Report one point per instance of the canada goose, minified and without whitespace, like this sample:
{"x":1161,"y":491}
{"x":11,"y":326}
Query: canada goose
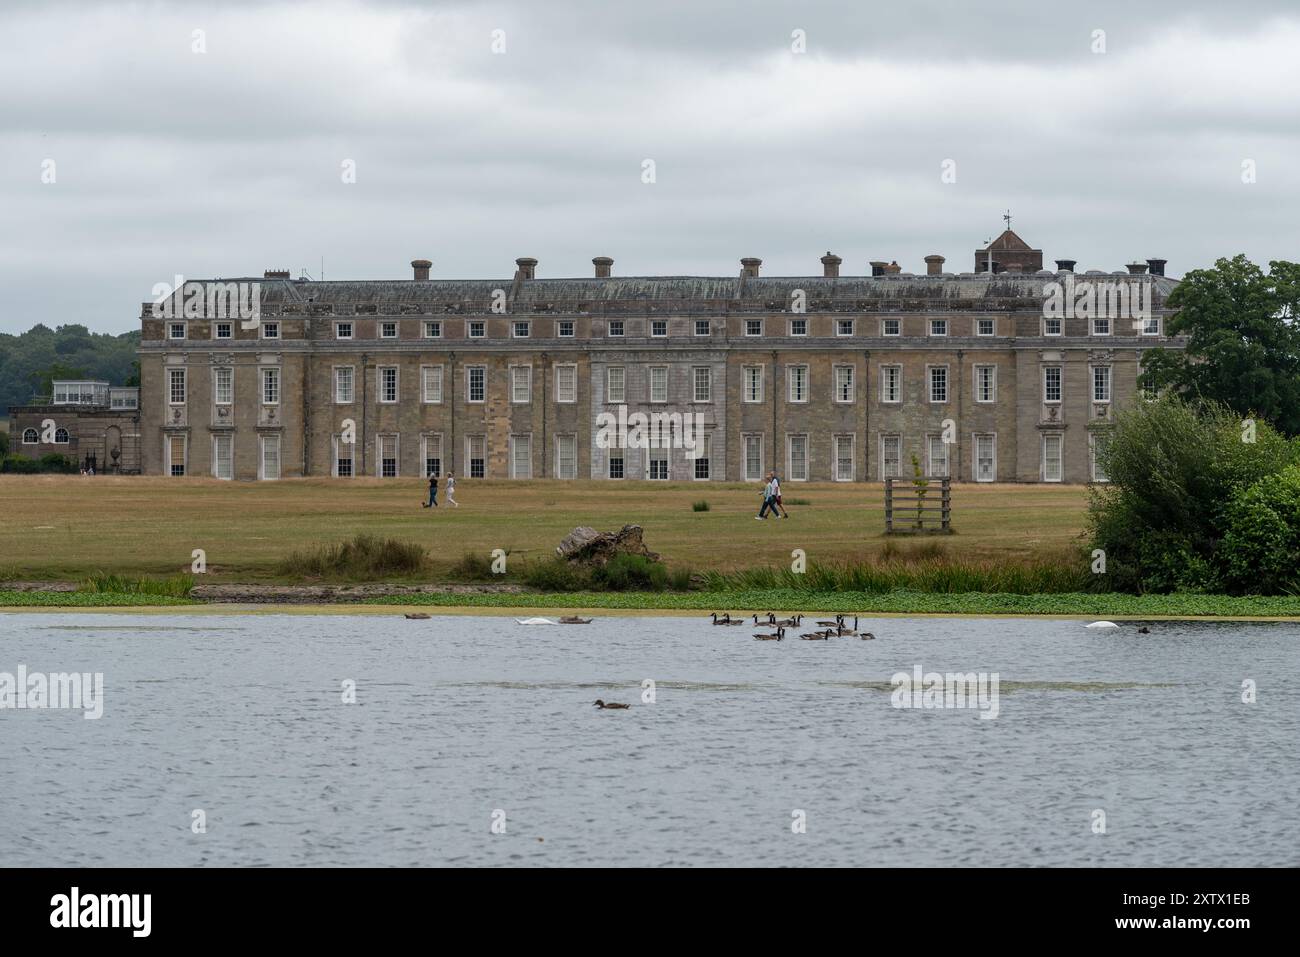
{"x":817,"y":635}
{"x":574,"y":620}
{"x":837,"y":623}
{"x":792,"y":622}
{"x":867,"y":636}
{"x":777,"y":635}
{"x":726,"y":619}
{"x":844,"y":631}
{"x":414,"y":615}
{"x":611,"y":706}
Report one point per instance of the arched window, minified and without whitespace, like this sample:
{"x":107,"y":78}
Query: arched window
{"x":61,"y":436}
{"x":30,"y":436}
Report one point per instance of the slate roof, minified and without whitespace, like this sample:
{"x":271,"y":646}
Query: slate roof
{"x":674,"y":288}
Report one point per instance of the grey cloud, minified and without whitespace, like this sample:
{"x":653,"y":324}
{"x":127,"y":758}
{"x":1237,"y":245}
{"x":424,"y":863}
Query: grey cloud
{"x":228,"y":162}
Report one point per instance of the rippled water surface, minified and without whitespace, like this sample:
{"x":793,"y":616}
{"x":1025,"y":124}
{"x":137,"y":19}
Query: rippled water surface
{"x":457,"y":718}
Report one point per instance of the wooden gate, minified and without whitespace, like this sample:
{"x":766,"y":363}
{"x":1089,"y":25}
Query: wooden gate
{"x":918,"y":507}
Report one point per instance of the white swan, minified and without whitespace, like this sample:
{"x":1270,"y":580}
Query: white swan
{"x":1102,"y":624}
{"x":534,"y":621}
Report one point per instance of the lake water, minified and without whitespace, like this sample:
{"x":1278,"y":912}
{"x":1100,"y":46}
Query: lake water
{"x":456,"y":718}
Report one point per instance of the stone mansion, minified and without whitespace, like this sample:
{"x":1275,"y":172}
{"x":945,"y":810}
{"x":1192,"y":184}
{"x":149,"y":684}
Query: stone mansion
{"x":825,"y":378}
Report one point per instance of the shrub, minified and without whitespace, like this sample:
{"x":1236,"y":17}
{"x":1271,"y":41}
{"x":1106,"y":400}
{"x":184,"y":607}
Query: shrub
{"x":364,"y":556}
{"x":1260,"y":551}
{"x":624,"y":571}
{"x":700,"y":506}
{"x":472,"y":566}
{"x":53,"y":462}
{"x":1174,"y":468}
{"x":556,"y":574}
{"x":917,"y":571}
{"x":679,"y":579}
{"x":177,"y":586}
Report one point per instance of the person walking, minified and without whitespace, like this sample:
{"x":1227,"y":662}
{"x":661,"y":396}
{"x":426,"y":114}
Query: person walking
{"x":768,"y":501}
{"x":451,"y":489}
{"x":433,"y":493}
{"x":776,"y":496}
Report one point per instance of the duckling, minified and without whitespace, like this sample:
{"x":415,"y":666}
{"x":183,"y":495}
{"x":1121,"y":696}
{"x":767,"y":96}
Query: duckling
{"x":1144,"y":630}
{"x":778,"y":635}
{"x":817,"y":635}
{"x":611,"y":706}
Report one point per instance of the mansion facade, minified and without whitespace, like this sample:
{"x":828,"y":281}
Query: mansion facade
{"x":824,"y":378}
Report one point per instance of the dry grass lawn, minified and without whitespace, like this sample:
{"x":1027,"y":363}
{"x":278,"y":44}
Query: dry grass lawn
{"x":68,"y":527}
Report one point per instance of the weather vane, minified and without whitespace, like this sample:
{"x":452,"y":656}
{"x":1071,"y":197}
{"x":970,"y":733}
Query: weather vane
{"x":1007,"y":216}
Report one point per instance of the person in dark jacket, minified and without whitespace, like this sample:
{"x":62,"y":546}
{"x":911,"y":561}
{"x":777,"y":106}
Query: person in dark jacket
{"x":433,"y":493}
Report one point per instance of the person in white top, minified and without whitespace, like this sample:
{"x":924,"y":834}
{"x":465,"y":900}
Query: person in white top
{"x":451,"y":489}
{"x":776,"y":497}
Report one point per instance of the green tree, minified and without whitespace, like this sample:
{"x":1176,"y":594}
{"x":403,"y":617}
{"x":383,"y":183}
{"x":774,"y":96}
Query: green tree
{"x":28,"y":361}
{"x":43,"y":379}
{"x":1260,"y":551}
{"x":1174,"y":470}
{"x":1243,"y":345}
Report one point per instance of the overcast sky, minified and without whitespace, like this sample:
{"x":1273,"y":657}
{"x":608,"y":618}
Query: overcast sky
{"x":230,"y":161}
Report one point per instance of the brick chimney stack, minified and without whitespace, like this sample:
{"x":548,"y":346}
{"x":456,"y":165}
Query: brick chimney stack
{"x":527,"y":267}
{"x":603,"y":265}
{"x":831,"y":265}
{"x":749,"y":267}
{"x":934,"y":265}
{"x":421,"y":268}
{"x":893,"y":269}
